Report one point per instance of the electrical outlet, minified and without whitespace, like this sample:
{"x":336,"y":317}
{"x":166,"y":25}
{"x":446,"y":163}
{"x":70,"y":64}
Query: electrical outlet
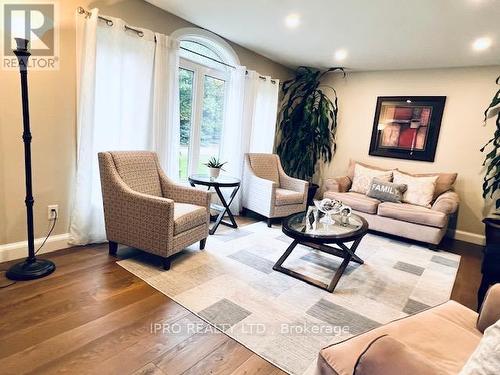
{"x":52,"y":212}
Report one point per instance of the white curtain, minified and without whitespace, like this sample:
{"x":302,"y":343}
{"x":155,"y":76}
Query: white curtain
{"x":123,"y":79}
{"x":232,"y":140}
{"x":261,"y":108}
{"x":250,"y":121}
{"x":166,"y":103}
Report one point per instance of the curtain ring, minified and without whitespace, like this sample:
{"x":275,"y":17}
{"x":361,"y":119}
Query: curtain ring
{"x":109,"y":22}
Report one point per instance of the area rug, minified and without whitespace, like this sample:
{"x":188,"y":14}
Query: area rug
{"x":232,"y":286}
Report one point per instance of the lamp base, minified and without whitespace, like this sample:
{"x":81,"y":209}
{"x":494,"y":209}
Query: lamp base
{"x":31,"y":269}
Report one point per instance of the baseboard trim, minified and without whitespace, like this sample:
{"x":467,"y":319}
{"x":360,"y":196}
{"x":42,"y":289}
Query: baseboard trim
{"x":18,"y":250}
{"x":474,"y":238}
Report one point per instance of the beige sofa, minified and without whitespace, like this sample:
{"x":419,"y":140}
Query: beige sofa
{"x":401,"y":219}
{"x":439,"y":340}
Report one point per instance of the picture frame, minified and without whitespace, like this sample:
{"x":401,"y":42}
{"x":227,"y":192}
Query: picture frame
{"x":407,"y":127}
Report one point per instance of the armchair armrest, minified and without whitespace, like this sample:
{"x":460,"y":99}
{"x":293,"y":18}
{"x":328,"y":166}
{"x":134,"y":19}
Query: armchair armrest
{"x":338,"y":184}
{"x":447,"y":202}
{"x":184,"y":194}
{"x":294,"y":184}
{"x":490,"y":310}
{"x":259,"y":194}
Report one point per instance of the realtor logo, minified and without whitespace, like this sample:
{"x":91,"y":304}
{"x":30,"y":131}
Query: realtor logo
{"x":36,"y":22}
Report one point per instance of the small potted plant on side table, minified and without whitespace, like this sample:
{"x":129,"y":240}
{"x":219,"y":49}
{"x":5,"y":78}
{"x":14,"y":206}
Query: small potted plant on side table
{"x":214,"y":167}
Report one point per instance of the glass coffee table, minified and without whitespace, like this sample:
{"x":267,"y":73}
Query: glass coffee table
{"x":328,"y":238}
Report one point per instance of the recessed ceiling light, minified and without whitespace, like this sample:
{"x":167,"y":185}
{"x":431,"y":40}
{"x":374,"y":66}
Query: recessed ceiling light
{"x":292,"y":20}
{"x":480,"y":44}
{"x":340,"y":54}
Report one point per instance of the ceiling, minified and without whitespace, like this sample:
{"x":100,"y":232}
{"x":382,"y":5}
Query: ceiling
{"x":376,"y":34}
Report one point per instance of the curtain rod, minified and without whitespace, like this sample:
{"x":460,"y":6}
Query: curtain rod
{"x":109,"y":22}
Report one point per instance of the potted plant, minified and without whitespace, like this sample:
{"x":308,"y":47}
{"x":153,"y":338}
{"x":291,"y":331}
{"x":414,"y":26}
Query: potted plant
{"x":214,"y":167}
{"x":308,"y":121}
{"x":491,"y":162}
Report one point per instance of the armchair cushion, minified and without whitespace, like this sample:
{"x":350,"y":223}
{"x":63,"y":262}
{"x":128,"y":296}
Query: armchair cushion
{"x":188,"y":216}
{"x":284,"y":197}
{"x":265,"y":166}
{"x":139,"y":171}
{"x":356,"y":201}
{"x":413,"y":214}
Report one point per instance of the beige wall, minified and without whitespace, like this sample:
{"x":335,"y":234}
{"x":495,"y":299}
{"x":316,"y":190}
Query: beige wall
{"x":468,"y":91}
{"x":52,"y":95}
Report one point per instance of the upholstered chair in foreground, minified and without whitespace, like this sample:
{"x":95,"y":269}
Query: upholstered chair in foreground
{"x":268,"y":190}
{"x":146,"y":210}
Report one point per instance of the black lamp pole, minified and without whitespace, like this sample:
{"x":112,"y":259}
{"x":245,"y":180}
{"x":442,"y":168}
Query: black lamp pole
{"x":31,"y":267}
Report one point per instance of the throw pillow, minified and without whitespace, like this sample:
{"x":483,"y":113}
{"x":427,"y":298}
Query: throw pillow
{"x":420,"y":190}
{"x":485,"y":360}
{"x":444,"y":181}
{"x":386,"y":191}
{"x":363,"y":176}
{"x":388,"y":356}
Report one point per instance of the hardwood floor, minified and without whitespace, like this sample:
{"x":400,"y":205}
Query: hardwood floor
{"x":92,"y":316}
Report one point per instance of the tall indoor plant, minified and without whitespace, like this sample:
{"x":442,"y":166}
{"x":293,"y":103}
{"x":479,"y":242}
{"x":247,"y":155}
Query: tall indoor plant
{"x":307,"y":125}
{"x":491,"y":184}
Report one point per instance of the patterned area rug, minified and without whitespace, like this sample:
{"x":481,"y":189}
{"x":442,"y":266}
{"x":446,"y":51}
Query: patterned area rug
{"x":232,"y":286}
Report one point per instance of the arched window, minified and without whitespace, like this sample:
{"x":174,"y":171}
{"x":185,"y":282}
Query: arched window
{"x":204,"y":76}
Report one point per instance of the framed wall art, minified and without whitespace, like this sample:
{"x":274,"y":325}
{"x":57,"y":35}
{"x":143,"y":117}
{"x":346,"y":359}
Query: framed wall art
{"x":407,"y":127}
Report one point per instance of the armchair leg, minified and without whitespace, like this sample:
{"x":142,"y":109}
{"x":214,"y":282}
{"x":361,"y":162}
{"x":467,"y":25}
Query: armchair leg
{"x":269,"y":222}
{"x":113,"y":248}
{"x":166,"y":263}
{"x":203,"y":242}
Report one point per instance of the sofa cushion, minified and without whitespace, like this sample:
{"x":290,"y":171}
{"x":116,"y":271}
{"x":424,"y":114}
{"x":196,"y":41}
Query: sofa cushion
{"x":386,"y":191}
{"x":486,"y":358}
{"x":284,"y":197}
{"x":188,"y":216}
{"x":352,"y":165}
{"x":420,"y":190}
{"x":388,"y":356}
{"x":363,"y":177}
{"x":490,"y":309}
{"x":413,"y":214}
{"x":445,"y":334}
{"x":444,"y":181}
{"x":265,"y":166}
{"x":356,"y":201}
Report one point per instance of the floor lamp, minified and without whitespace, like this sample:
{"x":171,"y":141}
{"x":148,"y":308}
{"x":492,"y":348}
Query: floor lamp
{"x":31,"y":267}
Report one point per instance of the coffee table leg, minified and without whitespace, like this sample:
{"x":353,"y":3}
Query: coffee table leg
{"x":348,"y":255}
{"x":277,"y":266}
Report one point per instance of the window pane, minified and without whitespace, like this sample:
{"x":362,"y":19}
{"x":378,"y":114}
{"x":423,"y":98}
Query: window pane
{"x":212,"y":120}
{"x":186,"y":117}
{"x":200,"y":49}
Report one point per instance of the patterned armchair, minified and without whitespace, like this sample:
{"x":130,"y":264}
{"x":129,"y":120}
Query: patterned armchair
{"x":267,"y":189}
{"x":146,"y":210}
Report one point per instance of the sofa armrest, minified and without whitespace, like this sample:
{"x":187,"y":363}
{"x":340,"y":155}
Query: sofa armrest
{"x":490,"y":310}
{"x":338,"y":184}
{"x":446,"y":202}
